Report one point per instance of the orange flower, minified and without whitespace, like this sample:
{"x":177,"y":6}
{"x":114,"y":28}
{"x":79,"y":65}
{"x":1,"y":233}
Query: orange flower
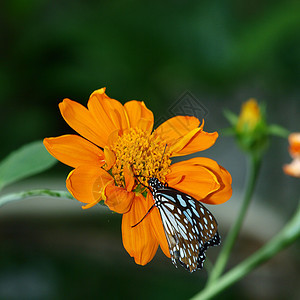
{"x":117,"y":147}
{"x":293,"y":169}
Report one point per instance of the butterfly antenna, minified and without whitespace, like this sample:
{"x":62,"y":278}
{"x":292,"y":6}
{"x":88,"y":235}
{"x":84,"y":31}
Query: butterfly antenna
{"x":137,"y":178}
{"x":162,"y":157}
{"x":144,"y":216}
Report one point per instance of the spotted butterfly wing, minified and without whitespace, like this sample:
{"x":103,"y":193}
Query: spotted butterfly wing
{"x":190,"y":228}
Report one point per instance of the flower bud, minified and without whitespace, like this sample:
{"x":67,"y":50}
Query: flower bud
{"x":251,"y":128}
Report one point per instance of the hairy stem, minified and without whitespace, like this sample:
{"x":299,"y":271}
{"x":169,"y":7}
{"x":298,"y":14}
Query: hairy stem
{"x":34,"y":193}
{"x":284,"y":238}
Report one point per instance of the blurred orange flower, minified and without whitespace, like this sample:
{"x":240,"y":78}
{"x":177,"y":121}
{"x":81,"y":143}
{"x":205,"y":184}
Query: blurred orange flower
{"x":118,"y":145}
{"x":293,"y":169}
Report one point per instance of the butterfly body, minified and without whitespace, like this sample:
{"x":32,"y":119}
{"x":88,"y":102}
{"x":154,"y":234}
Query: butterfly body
{"x":189,"y":227}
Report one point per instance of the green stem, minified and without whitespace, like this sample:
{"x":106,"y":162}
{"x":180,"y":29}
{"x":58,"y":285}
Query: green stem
{"x":234,"y":231}
{"x":34,"y":193}
{"x":284,"y":238}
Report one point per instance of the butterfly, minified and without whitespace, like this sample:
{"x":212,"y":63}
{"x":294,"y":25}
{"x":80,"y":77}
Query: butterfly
{"x":190,"y":228}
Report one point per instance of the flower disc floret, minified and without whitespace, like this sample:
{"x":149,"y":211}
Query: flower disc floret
{"x":146,"y":154}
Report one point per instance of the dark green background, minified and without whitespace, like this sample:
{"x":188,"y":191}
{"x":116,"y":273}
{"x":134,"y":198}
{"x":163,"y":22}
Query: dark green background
{"x":224,"y":52}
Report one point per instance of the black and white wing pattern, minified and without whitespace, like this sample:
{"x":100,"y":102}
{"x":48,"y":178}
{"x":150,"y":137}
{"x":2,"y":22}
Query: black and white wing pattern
{"x":190,"y":228}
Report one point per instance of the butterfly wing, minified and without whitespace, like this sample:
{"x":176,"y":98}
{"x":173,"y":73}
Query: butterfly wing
{"x":190,"y":228}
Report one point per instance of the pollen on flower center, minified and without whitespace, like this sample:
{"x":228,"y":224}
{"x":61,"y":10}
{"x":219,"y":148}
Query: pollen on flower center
{"x":145,"y":154}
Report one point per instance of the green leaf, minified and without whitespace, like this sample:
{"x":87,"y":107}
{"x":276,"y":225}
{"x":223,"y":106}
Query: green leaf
{"x":231,"y":117}
{"x":278,"y":131}
{"x":29,"y":160}
{"x":227,"y":131}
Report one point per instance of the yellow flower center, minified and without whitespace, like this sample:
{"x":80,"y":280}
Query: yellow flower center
{"x":145,"y":154}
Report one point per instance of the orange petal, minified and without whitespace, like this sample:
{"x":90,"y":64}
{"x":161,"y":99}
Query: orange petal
{"x":82,"y":121}
{"x":139,"y":241}
{"x":74,"y":151}
{"x":113,"y":137}
{"x":129,"y":178}
{"x":110,"y":158}
{"x":194,"y":180}
{"x":293,"y":169}
{"x":86,"y":183}
{"x":192,"y":143}
{"x":294,"y":140}
{"x":159,"y":229}
{"x":173,"y":129}
{"x":145,"y":125}
{"x":136,"y":111}
{"x":224,"y":192}
{"x":108,"y":113}
{"x":91,"y":204}
{"x":118,"y":199}
{"x":201,"y":178}
{"x":183,"y":141}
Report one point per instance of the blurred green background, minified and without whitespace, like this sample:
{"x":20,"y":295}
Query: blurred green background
{"x":224,"y":52}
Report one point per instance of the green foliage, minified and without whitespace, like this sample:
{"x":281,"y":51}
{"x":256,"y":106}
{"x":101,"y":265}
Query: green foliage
{"x":231,"y":117}
{"x":277,"y":130}
{"x":285,"y":237}
{"x":29,"y":160}
{"x":152,"y":52}
{"x":56,"y":49}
